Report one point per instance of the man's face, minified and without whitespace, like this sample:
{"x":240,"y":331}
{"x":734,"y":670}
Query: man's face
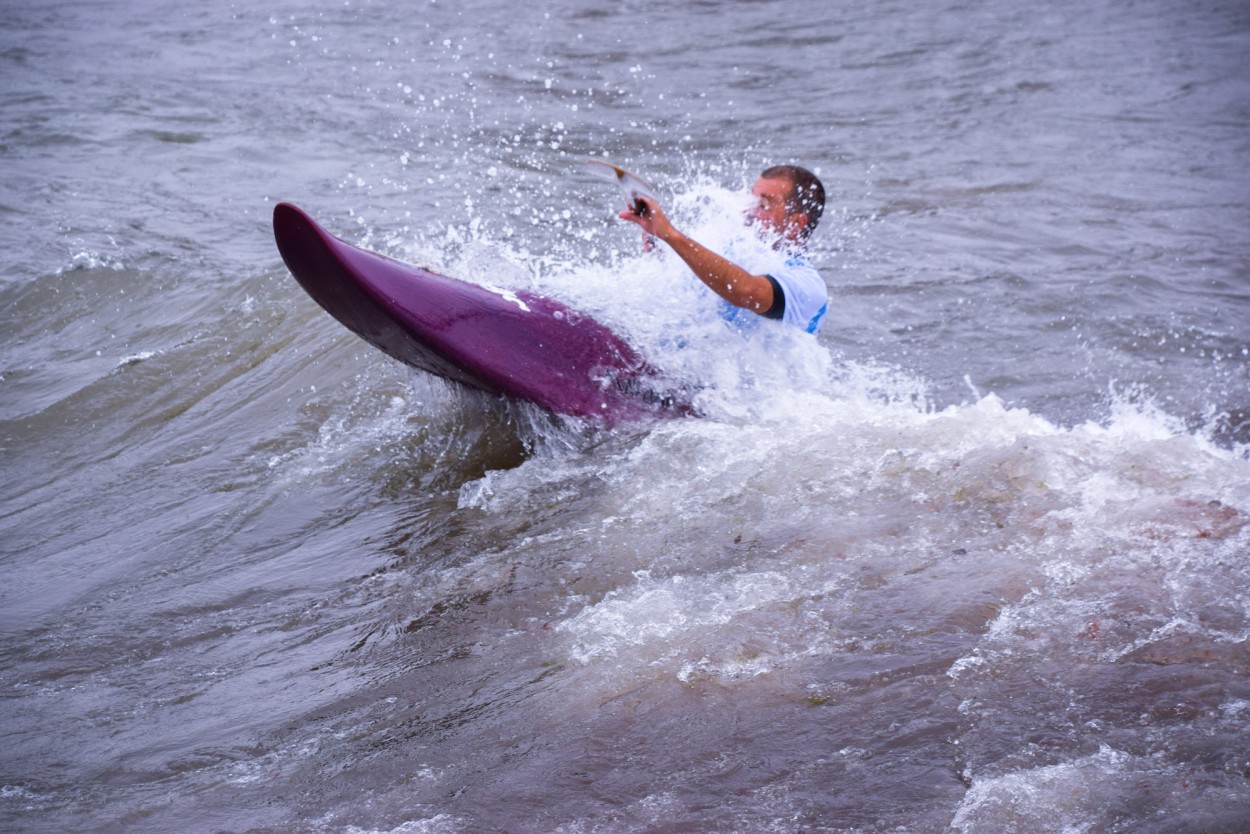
{"x":771,"y":212}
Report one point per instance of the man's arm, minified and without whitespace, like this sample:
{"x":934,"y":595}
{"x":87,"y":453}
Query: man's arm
{"x":725,"y":278}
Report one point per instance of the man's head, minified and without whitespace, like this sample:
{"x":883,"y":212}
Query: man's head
{"x":789,"y":201}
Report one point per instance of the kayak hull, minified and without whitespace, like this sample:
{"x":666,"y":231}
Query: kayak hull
{"x":519,"y":345}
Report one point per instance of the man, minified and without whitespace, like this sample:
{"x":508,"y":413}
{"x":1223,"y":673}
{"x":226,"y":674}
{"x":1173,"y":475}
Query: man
{"x":789,"y":201}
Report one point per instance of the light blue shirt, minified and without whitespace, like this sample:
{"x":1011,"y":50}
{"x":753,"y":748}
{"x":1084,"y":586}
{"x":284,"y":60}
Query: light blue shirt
{"x":807,"y":297}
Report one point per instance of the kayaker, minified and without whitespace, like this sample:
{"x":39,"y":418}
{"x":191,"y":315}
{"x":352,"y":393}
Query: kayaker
{"x":788,"y":203}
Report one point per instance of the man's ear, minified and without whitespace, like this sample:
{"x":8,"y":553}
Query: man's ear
{"x":799,"y":221}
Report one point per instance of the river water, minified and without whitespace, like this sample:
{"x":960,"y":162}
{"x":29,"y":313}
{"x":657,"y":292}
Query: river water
{"x":974,"y":560}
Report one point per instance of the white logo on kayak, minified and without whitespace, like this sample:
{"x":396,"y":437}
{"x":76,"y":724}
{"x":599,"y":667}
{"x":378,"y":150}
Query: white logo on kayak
{"x":507,"y":295}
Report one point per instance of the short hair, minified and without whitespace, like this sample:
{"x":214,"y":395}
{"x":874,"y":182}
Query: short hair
{"x":807,"y":193}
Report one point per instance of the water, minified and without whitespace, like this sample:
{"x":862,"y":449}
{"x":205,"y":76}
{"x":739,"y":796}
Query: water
{"x":974,"y":561}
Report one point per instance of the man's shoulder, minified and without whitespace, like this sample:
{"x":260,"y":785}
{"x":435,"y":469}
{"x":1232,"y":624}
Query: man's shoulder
{"x":799,"y":270}
{"x":797,"y":260}
{"x":807,"y":296}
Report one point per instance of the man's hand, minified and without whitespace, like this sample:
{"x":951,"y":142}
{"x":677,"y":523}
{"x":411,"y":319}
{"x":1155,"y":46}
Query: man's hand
{"x":647,"y":216}
{"x":652,"y":219}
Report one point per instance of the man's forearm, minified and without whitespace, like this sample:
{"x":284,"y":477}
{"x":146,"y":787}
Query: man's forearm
{"x":724,"y":277}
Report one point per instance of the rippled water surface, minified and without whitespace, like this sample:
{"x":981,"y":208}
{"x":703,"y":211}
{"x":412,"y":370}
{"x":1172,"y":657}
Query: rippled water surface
{"x":974,"y":560}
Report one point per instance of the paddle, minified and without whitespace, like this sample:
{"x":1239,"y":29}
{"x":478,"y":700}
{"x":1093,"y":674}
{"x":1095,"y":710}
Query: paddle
{"x":631,"y":186}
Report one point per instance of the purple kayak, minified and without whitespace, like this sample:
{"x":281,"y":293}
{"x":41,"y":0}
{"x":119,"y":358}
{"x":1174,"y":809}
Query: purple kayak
{"x":518,"y":344}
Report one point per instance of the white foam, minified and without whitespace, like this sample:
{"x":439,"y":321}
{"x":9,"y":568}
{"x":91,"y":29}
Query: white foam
{"x":136,"y":358}
{"x":437,"y":824}
{"x":1071,"y":798}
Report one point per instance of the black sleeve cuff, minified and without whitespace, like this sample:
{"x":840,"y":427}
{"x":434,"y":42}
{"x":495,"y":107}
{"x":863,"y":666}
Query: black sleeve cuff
{"x":778,"y":310}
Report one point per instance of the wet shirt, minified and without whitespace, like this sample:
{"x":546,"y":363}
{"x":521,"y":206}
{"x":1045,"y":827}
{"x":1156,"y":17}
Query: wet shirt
{"x":804,"y":296}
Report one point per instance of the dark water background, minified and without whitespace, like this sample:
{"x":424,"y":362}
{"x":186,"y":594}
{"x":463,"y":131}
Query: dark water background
{"x":974,"y":561}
